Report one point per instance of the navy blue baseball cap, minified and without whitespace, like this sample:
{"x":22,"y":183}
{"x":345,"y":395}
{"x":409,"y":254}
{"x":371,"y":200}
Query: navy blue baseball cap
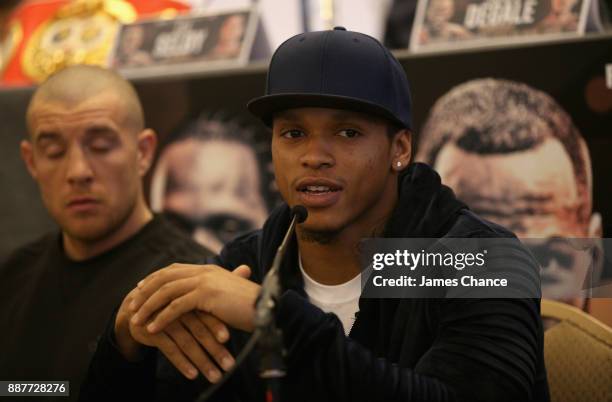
{"x":336,"y":69}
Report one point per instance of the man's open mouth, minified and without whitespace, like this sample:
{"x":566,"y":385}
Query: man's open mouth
{"x":317,"y":192}
{"x":318,"y":189}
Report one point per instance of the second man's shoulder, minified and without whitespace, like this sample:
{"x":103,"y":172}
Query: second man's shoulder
{"x":27,"y":255}
{"x":171,"y":239}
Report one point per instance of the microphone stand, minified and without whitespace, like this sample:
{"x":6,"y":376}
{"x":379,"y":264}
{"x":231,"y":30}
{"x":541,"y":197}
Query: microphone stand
{"x":272,"y":366}
{"x":267,"y":335}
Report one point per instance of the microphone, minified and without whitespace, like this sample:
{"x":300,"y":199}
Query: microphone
{"x":300,"y":213}
{"x":270,"y":287}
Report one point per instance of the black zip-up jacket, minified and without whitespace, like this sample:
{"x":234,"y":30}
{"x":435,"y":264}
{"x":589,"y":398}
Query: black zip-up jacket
{"x":398,"y":349}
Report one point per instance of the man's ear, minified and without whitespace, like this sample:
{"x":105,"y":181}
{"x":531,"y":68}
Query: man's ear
{"x":27,"y":155}
{"x":147,"y":143}
{"x":401,"y":149}
{"x":159,"y":179}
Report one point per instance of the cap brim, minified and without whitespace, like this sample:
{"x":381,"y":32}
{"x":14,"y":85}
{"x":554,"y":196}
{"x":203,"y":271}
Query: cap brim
{"x":266,"y":106}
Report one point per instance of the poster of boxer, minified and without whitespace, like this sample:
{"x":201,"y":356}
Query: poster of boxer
{"x":212,"y":177}
{"x":447,"y":24}
{"x":515,"y":156}
{"x":198,"y":42}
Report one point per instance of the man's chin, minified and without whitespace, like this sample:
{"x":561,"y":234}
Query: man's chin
{"x":317,"y":231}
{"x":317,"y":222}
{"x":321,"y":237}
{"x":88,"y":230}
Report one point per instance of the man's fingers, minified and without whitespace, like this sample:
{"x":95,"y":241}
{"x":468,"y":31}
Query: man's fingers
{"x":174,"y":354}
{"x":166,"y":294}
{"x":213,"y":347}
{"x":130,"y":296}
{"x":215,"y":325}
{"x":190,"y":348}
{"x":153,"y":282}
{"x":173,"y":311}
{"x":243,"y":271}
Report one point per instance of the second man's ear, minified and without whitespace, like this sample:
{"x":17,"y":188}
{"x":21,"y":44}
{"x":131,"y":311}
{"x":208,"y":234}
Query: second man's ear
{"x":27,"y":154}
{"x":147,"y":144}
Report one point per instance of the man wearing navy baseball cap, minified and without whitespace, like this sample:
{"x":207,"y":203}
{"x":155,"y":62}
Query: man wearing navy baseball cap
{"x":339,"y":107}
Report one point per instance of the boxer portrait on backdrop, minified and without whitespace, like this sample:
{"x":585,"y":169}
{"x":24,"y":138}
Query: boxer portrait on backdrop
{"x":209,"y":176}
{"x":516,"y":158}
{"x":339,"y":108}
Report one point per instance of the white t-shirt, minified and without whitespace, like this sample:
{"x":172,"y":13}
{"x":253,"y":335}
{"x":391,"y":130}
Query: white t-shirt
{"x":342,"y":300}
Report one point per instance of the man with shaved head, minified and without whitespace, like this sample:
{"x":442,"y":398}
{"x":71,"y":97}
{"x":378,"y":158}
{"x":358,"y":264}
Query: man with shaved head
{"x":99,"y":113}
{"x":87,"y":149}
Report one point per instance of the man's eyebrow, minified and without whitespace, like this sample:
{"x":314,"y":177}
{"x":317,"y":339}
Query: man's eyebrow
{"x":100,"y":128}
{"x":46,"y":136}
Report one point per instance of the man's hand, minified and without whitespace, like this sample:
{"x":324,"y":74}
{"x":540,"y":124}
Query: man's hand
{"x":188,"y":342}
{"x":180,"y":288}
{"x":183,"y":342}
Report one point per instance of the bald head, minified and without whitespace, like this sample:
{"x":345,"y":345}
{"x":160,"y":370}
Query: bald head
{"x":77,"y":84}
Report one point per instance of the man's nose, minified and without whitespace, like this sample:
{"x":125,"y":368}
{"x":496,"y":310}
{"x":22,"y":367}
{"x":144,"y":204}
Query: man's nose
{"x":78,"y":170}
{"x":318,"y":154}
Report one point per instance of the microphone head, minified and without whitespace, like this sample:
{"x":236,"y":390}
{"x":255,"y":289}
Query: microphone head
{"x":300,"y":213}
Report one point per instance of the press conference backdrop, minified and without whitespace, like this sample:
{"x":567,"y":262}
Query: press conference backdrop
{"x":572,"y":72}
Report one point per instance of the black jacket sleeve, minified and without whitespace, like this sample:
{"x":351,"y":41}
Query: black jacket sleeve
{"x":112,"y":377}
{"x":476,"y":356}
{"x":153,"y":378}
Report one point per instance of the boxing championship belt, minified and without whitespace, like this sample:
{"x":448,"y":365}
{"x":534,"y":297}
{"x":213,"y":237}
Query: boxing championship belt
{"x":45,"y":36}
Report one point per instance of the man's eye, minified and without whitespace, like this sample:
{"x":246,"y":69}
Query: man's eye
{"x":53,"y":151}
{"x":349,"y":133}
{"x":292,"y":134}
{"x":101,"y":146}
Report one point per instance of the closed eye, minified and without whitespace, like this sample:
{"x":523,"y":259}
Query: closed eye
{"x":101,"y":139}
{"x":51,"y":145}
{"x":53,"y":150}
{"x":102,"y":145}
